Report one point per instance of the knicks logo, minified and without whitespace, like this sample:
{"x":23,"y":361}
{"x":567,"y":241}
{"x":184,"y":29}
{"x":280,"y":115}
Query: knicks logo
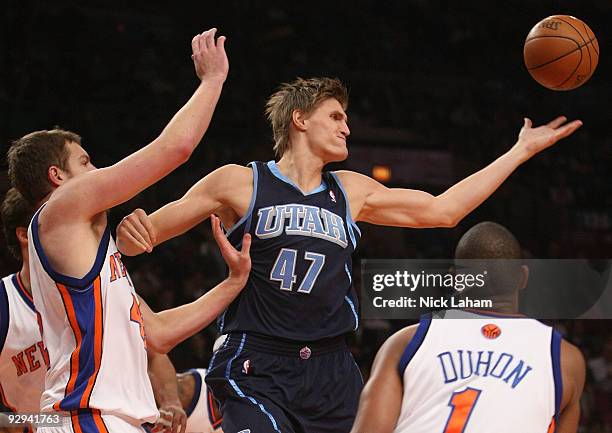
{"x":490,"y":331}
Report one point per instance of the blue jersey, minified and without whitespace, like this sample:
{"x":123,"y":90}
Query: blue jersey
{"x":300,"y":286}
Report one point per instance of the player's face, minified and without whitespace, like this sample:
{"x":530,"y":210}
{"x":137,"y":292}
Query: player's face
{"x":327,"y":130}
{"x":78,"y":160}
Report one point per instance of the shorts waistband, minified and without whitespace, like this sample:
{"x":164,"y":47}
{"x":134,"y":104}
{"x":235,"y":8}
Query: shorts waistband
{"x":292,"y":348}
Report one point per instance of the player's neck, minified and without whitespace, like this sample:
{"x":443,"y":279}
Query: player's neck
{"x":505,"y":304}
{"x":24,"y":276}
{"x":303,"y":170}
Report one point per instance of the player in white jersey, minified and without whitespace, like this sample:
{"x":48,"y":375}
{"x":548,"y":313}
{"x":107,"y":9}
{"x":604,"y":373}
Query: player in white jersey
{"x":91,"y":319}
{"x":23,"y":357}
{"x":476,"y":372}
{"x":203,"y":414}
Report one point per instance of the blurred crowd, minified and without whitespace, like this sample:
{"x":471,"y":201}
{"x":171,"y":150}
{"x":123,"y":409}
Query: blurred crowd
{"x":420,"y":76}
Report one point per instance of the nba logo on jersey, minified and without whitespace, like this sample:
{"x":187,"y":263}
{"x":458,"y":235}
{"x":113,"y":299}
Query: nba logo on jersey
{"x":246,"y":366}
{"x":332,"y":195}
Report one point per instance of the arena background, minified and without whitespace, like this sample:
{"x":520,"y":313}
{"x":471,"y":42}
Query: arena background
{"x":438,"y":89}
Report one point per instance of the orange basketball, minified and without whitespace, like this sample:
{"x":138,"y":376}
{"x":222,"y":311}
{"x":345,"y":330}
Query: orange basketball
{"x":561,"y":52}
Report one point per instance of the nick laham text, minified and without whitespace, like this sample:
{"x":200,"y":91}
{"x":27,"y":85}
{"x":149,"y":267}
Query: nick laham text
{"x":431,"y":302}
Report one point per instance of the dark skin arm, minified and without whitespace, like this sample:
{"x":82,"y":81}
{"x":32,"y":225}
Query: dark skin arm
{"x":381,"y":399}
{"x":573,"y":372}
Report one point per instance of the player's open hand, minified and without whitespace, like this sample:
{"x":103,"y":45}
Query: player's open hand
{"x":209,"y":55}
{"x":534,"y":140}
{"x":135,"y":234}
{"x":239,"y":262}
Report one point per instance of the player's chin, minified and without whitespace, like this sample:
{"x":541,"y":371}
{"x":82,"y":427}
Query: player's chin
{"x":338,"y":153}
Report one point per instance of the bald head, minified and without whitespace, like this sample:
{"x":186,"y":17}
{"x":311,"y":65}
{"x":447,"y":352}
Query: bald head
{"x":488,"y":240}
{"x":490,"y":246}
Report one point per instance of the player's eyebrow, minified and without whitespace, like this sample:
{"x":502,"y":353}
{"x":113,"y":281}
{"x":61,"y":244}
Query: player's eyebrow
{"x":341,"y":114}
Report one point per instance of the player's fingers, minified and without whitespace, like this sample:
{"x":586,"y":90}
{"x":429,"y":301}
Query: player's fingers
{"x":195,"y":44}
{"x":135,"y":236}
{"x":221,"y":42}
{"x":210,"y":38}
{"x":246,"y":245}
{"x":527,"y":123}
{"x":175,"y":424}
{"x":568,"y":129}
{"x":554,"y":124}
{"x":146,"y":223}
{"x":182,"y":423}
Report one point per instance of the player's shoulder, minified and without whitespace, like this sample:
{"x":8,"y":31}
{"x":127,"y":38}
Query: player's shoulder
{"x":396,"y":344}
{"x":572,"y":358}
{"x":233,"y":173}
{"x":356,"y":182}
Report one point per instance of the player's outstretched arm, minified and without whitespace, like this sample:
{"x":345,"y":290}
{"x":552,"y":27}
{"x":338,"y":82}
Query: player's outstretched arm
{"x":139,"y":232}
{"x":91,"y":193}
{"x":168,"y":328}
{"x":172,"y":416}
{"x":374,"y":203}
{"x":381,"y":399}
{"x":573,"y":373}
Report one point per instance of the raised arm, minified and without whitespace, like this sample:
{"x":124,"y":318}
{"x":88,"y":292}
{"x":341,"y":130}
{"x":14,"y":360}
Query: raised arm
{"x":88,"y":194}
{"x":381,"y":399}
{"x":168,"y":328}
{"x":374,"y":203}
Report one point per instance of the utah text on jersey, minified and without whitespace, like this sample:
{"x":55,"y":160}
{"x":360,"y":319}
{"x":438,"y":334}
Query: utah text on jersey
{"x":301,"y":220}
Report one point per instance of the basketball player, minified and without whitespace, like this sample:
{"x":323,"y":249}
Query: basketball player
{"x":23,"y":357}
{"x":203,"y":414}
{"x":91,"y":319}
{"x":285,"y":366}
{"x":481,"y":371}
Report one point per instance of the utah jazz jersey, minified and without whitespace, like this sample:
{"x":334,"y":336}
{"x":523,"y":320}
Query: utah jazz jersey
{"x":300,"y":284}
{"x":480,"y":373}
{"x":23,"y":356}
{"x":94,"y":332}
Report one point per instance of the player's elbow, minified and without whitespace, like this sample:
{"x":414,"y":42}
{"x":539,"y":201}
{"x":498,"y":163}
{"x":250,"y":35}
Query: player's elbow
{"x":159,"y":344}
{"x":448,"y":221}
{"x":184,"y":150}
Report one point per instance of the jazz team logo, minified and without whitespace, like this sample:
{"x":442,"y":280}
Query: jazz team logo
{"x":490,"y":331}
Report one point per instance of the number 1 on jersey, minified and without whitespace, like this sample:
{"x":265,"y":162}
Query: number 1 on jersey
{"x":462,"y":404}
{"x":284,"y":270}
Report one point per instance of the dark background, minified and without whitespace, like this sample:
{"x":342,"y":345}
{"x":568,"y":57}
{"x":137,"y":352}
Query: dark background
{"x":438,"y":90}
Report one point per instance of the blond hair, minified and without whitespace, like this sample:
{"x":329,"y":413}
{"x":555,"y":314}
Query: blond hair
{"x":304,"y":95}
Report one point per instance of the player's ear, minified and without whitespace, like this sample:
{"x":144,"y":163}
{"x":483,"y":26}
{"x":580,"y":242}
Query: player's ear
{"x":298,"y":118}
{"x":55,"y":175}
{"x":22,"y":235}
{"x":524,"y":277}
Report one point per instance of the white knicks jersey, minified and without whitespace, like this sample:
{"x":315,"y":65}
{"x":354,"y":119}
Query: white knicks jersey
{"x":23,"y":356}
{"x":94,"y":332}
{"x":202,"y":416}
{"x":477,"y":373}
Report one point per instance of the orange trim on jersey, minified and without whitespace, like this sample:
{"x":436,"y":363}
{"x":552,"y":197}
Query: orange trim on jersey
{"x":552,"y":426}
{"x":213,"y":410}
{"x":74,"y":357}
{"x":22,"y":287}
{"x":76,"y":425}
{"x":97,"y":417}
{"x":5,"y":401}
{"x":98,"y":331}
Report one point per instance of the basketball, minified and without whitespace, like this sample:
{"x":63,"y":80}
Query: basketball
{"x":561,"y":52}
